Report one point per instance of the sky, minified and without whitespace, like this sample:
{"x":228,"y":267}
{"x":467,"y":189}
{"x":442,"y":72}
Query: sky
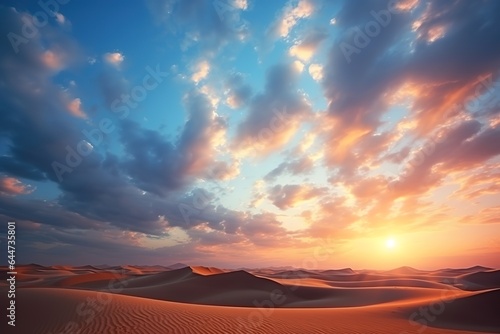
{"x":246,"y":133}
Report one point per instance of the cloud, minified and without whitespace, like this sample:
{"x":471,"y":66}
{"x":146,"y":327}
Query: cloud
{"x":489,"y":215}
{"x":305,"y":48}
{"x":207,"y":25}
{"x":331,"y":218}
{"x":113,"y":86}
{"x":295,"y":167}
{"x":12,"y":186}
{"x":200,"y":71}
{"x":360,"y":93}
{"x":28,"y":78}
{"x":62,"y":20}
{"x":222,"y":170}
{"x":463,"y":146}
{"x":46,"y":213}
{"x":316,"y":71}
{"x":240,"y":4}
{"x":10,"y":165}
{"x":52,"y":60}
{"x":114,"y":58}
{"x":289,"y":196}
{"x":290,"y":16}
{"x":476,"y":151}
{"x":237,"y":91}
{"x":75,"y":109}
{"x":483,"y":181}
{"x":298,"y":65}
{"x":158,"y":165}
{"x":274,"y":115}
{"x":139,"y":192}
{"x":48,"y":244}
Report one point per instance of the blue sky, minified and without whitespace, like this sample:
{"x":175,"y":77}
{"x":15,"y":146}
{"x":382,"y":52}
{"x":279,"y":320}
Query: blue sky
{"x":245,"y":132}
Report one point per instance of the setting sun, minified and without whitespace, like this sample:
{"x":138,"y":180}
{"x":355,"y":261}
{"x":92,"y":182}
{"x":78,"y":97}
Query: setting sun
{"x":390,"y":243}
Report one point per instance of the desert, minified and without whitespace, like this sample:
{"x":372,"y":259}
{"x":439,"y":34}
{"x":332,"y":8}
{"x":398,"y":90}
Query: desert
{"x":198,"y":299}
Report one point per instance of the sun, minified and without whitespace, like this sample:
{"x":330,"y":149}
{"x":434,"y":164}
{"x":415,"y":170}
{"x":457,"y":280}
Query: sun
{"x":390,"y":243}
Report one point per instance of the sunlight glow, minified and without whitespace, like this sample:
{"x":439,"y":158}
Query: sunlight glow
{"x":390,"y":243}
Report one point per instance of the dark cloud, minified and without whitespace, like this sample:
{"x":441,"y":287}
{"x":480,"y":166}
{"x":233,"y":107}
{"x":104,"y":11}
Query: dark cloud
{"x":239,"y":93}
{"x":265,"y":230}
{"x":113,"y":86}
{"x":306,"y":47}
{"x":44,"y":212}
{"x":421,"y":174}
{"x":295,"y":167}
{"x":35,"y":112}
{"x":290,"y":195}
{"x":223,"y":170}
{"x":158,"y":165}
{"x":47,"y":245}
{"x":274,"y":115}
{"x":11,"y":166}
{"x":476,"y":151}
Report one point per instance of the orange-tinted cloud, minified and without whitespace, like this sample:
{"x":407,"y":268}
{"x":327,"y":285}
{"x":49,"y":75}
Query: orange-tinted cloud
{"x":12,"y":186}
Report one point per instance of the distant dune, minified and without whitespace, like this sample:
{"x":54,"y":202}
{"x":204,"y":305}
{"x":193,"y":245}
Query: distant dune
{"x":198,"y":299}
{"x":405,"y":271}
{"x":178,"y":266}
{"x":345,"y":271}
{"x":481,"y":280}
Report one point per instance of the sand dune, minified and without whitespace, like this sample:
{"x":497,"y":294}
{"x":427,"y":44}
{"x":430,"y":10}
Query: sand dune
{"x":405,"y":271}
{"x":177,"y":266}
{"x":108,"y":313}
{"x":466,"y":312}
{"x":166,"y":277}
{"x":206,"y":270}
{"x":345,"y":271}
{"x":478,"y":311}
{"x":388,"y":282}
{"x":237,"y":288}
{"x":460,"y":271}
{"x":481,"y":280}
{"x":200,"y":299}
{"x":96,"y":280}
